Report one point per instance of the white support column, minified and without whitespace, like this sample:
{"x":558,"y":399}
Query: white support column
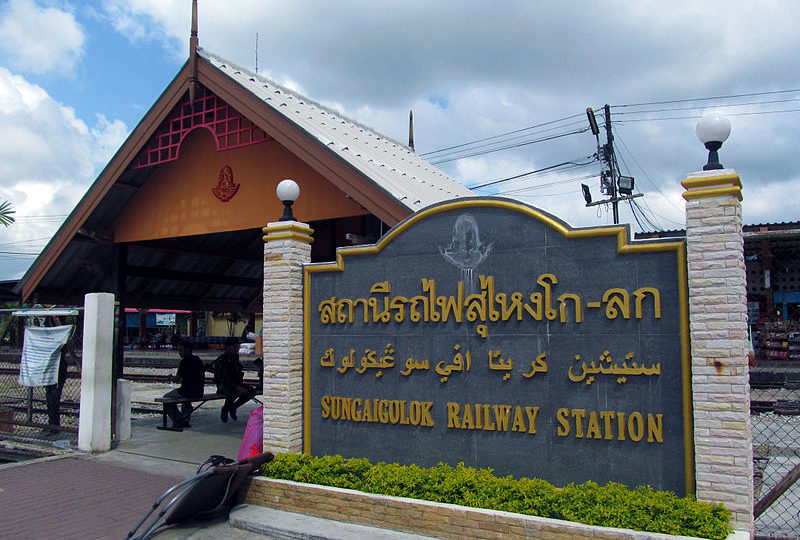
{"x":287,"y":246}
{"x":94,"y":425}
{"x":718,"y":327}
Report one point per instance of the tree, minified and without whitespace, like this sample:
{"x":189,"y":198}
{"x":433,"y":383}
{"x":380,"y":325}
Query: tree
{"x":231,"y":317}
{"x":5,"y":213}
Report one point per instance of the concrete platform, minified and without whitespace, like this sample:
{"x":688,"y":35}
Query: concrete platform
{"x":290,"y":525}
{"x":154,"y":449}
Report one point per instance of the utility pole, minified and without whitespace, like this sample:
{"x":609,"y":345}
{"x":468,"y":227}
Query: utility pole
{"x":611,"y":182}
{"x":608,"y":155}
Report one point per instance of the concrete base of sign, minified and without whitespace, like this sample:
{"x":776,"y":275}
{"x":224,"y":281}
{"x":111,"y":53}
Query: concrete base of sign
{"x":419,"y":517}
{"x":123,"y":410}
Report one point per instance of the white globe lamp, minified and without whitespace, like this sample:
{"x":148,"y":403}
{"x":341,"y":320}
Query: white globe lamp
{"x":713,"y":129}
{"x":287,"y":192}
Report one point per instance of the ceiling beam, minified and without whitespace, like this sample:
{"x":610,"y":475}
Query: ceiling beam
{"x":191,"y":303}
{"x":95,"y":236}
{"x":144,"y":284}
{"x":193,"y":277}
{"x":126,"y":187}
{"x":182,"y":247}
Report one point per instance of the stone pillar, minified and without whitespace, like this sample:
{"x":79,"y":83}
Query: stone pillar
{"x":718,"y":329}
{"x":94,"y":423}
{"x":123,"y":417}
{"x":287,"y":246}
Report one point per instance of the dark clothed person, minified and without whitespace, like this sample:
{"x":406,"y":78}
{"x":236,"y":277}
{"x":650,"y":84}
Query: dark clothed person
{"x":52,"y":394}
{"x":228,"y":376}
{"x":191,"y":374}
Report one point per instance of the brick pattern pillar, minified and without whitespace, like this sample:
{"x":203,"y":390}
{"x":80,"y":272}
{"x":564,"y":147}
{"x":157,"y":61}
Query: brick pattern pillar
{"x":718,"y":329}
{"x":287,"y":246}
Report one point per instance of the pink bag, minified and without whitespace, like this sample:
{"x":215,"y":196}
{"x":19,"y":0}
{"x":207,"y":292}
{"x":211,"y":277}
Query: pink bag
{"x":253,"y":440}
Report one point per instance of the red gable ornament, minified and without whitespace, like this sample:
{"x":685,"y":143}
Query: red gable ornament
{"x":225,"y":188}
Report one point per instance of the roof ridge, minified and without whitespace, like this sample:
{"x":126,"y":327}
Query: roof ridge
{"x":210,"y":55}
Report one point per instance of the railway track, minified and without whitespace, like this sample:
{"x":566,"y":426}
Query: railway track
{"x":758,"y":407}
{"x":135,"y":377}
{"x":72,"y":408}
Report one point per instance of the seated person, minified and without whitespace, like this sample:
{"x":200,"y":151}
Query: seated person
{"x":228,"y":376}
{"x":191,"y":374}
{"x":158,"y":340}
{"x":259,"y":364}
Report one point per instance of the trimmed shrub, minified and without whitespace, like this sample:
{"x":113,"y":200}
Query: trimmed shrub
{"x":612,"y":505}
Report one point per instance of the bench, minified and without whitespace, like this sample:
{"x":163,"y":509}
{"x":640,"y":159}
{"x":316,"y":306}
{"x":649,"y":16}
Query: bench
{"x":200,"y":400}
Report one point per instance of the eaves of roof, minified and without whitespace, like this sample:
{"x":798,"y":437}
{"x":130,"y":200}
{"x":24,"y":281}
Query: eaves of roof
{"x":383,"y":176}
{"x":104,"y":182}
{"x":390,"y":166}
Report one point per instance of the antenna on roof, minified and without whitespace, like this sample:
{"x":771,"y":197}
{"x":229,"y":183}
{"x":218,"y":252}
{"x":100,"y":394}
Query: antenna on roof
{"x":411,"y":130}
{"x":193,"y":43}
{"x":256,"y":53}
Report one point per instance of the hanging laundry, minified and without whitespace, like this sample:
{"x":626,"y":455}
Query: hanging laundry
{"x":41,"y":353}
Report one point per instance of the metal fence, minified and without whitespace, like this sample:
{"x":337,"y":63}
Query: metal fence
{"x":773,"y":292}
{"x":24,"y":415}
{"x":775,"y":415}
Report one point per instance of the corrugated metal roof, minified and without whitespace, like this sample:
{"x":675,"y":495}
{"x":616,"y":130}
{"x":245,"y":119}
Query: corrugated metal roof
{"x":408,"y":178}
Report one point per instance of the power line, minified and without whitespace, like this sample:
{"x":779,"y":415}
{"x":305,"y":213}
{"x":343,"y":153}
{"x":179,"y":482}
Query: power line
{"x":27,"y":241}
{"x":696,"y":116}
{"x":500,"y":135}
{"x":727,"y":105}
{"x":730,"y":96}
{"x":529,"y":173}
{"x":547,"y":184}
{"x":559,"y":193}
{"x":44,"y":216}
{"x":641,"y":227}
{"x":662,"y":216}
{"x":470,"y":147}
{"x":653,"y":224}
{"x":645,"y":172}
{"x":633,"y":202}
{"x":517,"y":145}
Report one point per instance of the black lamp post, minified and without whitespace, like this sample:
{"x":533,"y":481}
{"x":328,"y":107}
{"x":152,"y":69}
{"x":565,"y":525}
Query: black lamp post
{"x":713,"y":129}
{"x":287,"y":192}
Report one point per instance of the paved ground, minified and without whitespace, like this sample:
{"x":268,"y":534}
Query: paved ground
{"x":83,"y":496}
{"x":75,"y":497}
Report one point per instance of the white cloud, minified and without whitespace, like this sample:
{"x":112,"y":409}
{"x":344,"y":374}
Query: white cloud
{"x":468,"y":70}
{"x":108,"y":136}
{"x":164,"y":21}
{"x":48,"y":158}
{"x":40,"y":39}
{"x":762,"y":203}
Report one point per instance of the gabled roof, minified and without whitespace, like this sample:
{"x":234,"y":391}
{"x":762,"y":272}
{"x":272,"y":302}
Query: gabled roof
{"x":386,"y":178}
{"x":392,"y":166}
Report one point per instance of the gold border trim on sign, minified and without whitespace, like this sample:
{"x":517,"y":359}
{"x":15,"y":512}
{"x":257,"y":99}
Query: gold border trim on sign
{"x":623,"y":246}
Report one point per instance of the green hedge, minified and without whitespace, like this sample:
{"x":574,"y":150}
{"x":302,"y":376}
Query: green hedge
{"x":613,"y":505}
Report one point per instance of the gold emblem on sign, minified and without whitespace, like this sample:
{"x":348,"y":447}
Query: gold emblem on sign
{"x":225,"y":188}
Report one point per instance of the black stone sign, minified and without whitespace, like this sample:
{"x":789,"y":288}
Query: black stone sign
{"x":487,"y":332}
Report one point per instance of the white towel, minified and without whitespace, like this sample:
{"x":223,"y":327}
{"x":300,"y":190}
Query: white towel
{"x":41,"y":354}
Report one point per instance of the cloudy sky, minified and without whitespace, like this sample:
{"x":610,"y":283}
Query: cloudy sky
{"x":498,"y":90}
